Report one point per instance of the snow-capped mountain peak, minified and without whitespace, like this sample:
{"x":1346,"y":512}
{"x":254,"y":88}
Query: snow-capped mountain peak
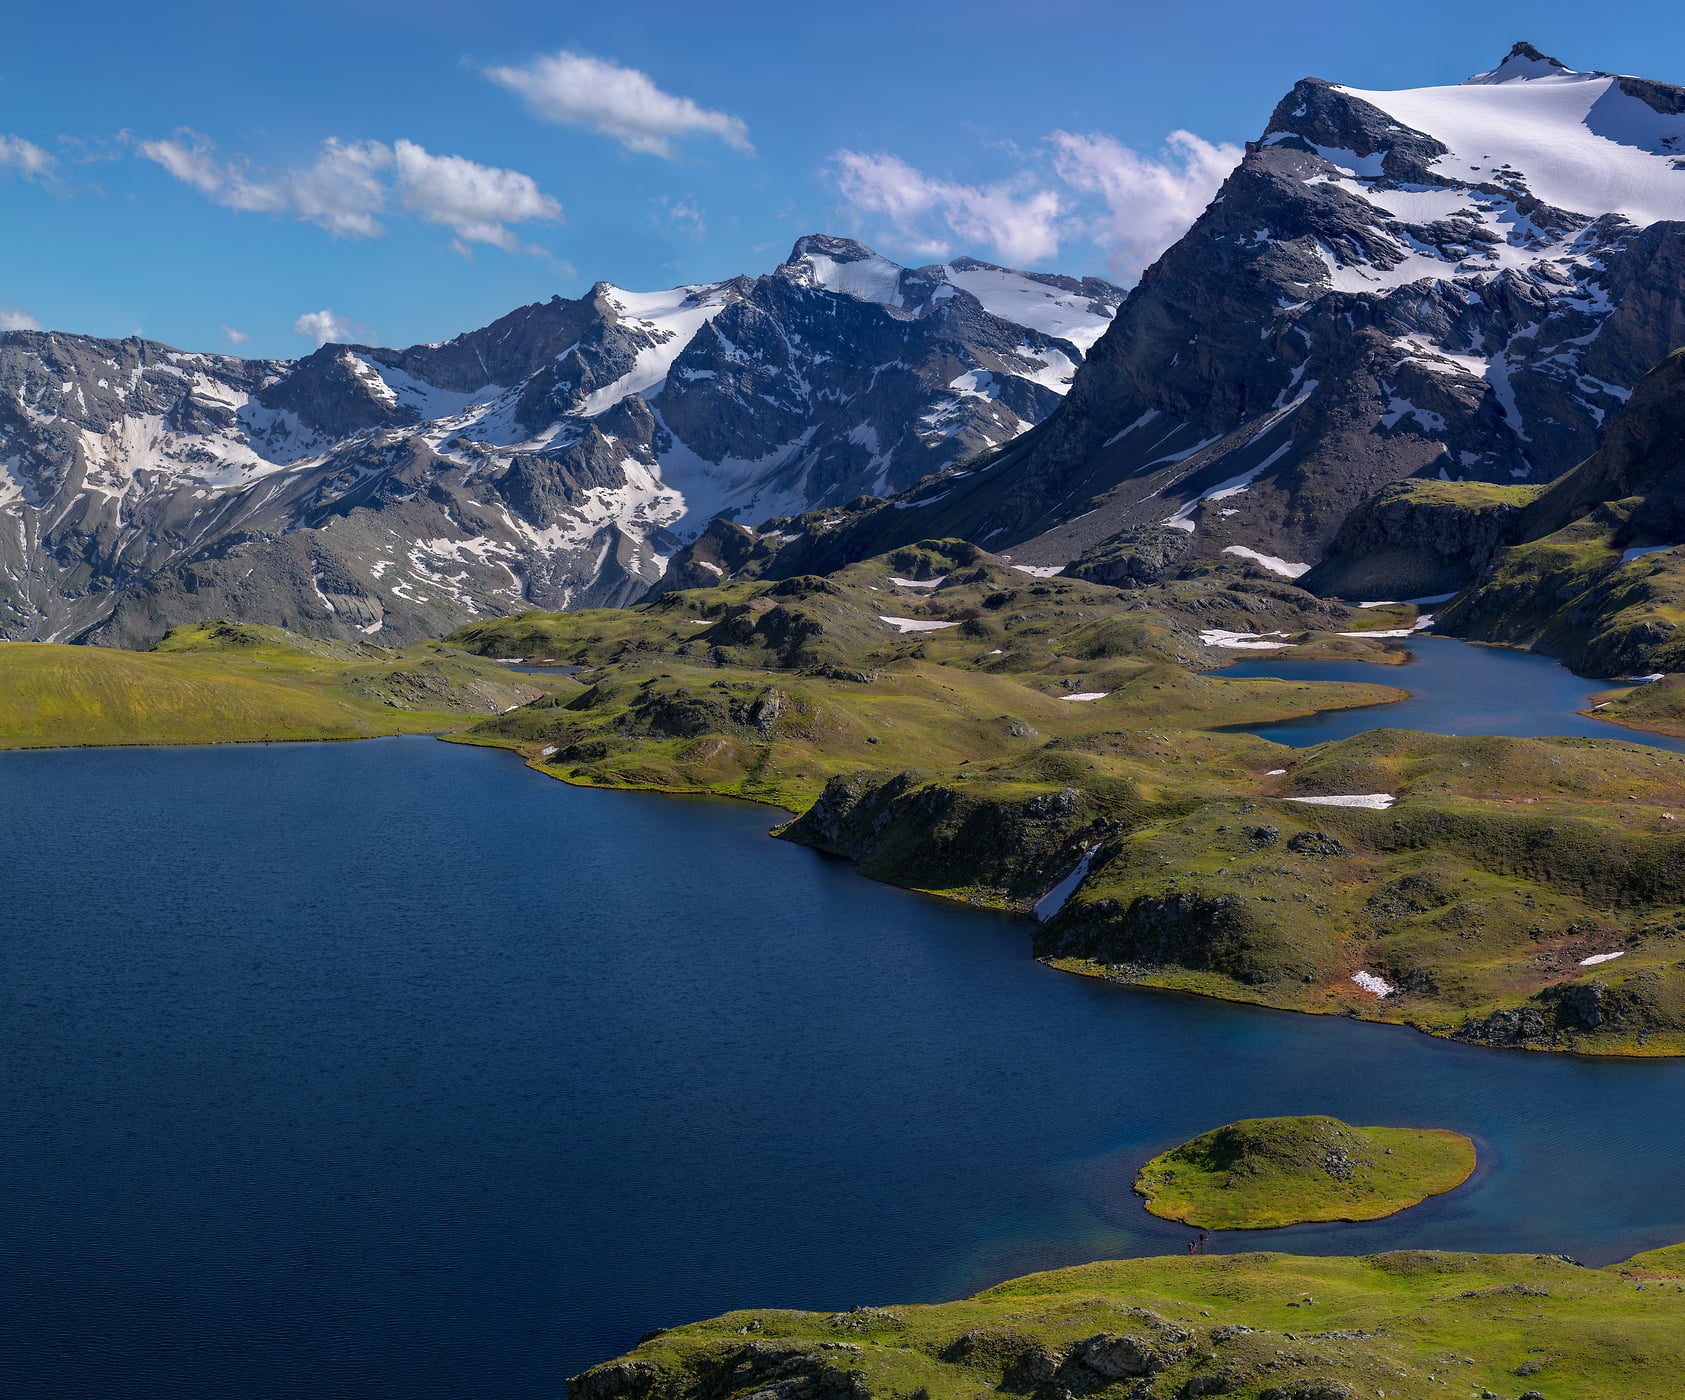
{"x":842,"y":265}
{"x":1068,"y":308}
{"x":1585,"y":143}
{"x":1461,"y":281}
{"x":1524,"y":63}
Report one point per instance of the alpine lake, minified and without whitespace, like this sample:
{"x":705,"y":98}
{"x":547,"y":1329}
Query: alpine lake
{"x":390,"y":1068}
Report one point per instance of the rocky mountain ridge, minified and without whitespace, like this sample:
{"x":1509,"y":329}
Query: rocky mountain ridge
{"x":1461,"y":283}
{"x":555,"y":458}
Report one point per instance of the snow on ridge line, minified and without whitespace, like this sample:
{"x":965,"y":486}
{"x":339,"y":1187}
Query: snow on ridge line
{"x":672,"y":318}
{"x":1005,"y":293}
{"x":871,"y":278}
{"x":1027,"y":302}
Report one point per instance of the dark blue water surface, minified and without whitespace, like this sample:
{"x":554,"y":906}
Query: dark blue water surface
{"x":394,"y":1069}
{"x":1455,"y":688}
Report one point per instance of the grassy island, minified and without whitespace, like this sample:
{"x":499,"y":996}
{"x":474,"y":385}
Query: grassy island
{"x":1264,"y":1172}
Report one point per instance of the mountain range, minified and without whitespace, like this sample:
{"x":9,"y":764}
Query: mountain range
{"x":553,"y":459}
{"x":1456,"y":284}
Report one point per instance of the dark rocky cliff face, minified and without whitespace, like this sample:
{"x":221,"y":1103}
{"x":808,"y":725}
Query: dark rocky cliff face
{"x":1417,"y":540}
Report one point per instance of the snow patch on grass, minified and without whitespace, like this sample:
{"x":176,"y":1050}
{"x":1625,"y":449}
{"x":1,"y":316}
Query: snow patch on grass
{"x":914,"y":624}
{"x":1376,"y":801}
{"x":1242,"y":641}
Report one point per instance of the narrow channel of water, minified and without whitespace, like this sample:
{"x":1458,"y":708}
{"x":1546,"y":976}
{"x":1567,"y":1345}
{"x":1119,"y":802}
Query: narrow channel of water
{"x":1455,"y":687}
{"x":393,"y":1068}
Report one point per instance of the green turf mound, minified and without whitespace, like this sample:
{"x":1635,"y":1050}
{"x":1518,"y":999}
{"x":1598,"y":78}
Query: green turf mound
{"x":1264,"y":1172}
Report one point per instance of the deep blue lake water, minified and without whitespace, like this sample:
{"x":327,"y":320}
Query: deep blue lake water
{"x":1455,"y":688}
{"x":393,"y":1069}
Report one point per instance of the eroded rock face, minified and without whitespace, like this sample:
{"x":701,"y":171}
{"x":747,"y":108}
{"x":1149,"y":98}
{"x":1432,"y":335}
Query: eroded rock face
{"x":1216,"y":932}
{"x":1121,"y":1357}
{"x":932,"y":835}
{"x":1571,"y":1009}
{"x":1412,"y":541}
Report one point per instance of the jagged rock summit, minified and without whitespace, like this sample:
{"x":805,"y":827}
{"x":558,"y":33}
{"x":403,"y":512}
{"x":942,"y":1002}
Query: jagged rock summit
{"x":1460,"y":282}
{"x":555,"y":458}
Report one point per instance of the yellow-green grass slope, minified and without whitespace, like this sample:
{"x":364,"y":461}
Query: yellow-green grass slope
{"x":1248,"y":1326}
{"x":768,"y":690}
{"x":217,"y":683}
{"x":1261,"y":1173}
{"x":1658,"y":706}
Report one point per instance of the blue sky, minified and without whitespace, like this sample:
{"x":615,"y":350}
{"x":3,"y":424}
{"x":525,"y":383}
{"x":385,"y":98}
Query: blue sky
{"x":416,"y":169}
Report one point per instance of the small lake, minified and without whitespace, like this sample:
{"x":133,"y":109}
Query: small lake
{"x":1455,"y":687}
{"x":393,"y":1068}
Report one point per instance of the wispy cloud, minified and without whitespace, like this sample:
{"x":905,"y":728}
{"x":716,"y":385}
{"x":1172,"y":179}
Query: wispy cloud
{"x":234,"y":337}
{"x":625,"y":104}
{"x":351,"y":184}
{"x":476,"y":202}
{"x":1129,"y":204}
{"x":684,"y":216}
{"x":327,"y":327}
{"x":1150,"y":202}
{"x":14,"y":318}
{"x":25,"y":157}
{"x":1017,"y":220}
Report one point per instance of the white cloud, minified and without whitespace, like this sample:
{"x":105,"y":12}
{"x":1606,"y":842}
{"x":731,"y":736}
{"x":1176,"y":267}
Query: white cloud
{"x":190,"y":157}
{"x":324,"y":327}
{"x":1130,"y":205}
{"x":341,"y":191}
{"x":14,"y":319}
{"x":1017,"y":220}
{"x":349,"y":185}
{"x":1149,"y":202}
{"x":476,"y":202}
{"x":684,"y":215}
{"x":25,"y":157}
{"x":623,"y":103}
{"x":234,"y":337}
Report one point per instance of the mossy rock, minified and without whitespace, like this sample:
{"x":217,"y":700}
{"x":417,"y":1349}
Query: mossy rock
{"x":1265,"y":1172}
